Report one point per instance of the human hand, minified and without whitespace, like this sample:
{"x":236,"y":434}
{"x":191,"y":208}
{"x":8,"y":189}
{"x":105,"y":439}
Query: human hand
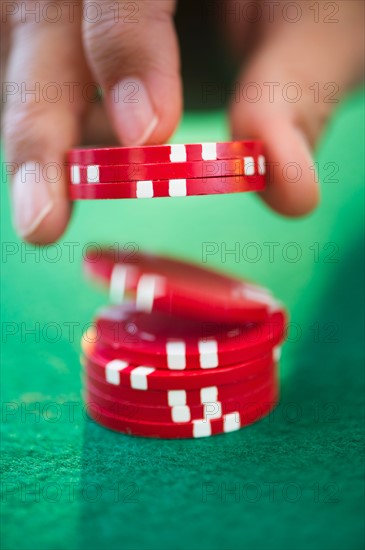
{"x":141,"y":60}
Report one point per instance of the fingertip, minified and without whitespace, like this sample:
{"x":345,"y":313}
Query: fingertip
{"x":291,"y":203}
{"x":133,"y":113}
{"x":292,"y":183}
{"x":41,"y":210}
{"x":145,"y":111}
{"x":292,"y":187}
{"x":51,"y":226}
{"x":138,"y":68}
{"x":167,"y":95}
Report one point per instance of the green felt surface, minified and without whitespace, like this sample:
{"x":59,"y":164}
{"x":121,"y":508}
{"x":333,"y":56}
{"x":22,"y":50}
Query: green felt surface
{"x":298,"y":474}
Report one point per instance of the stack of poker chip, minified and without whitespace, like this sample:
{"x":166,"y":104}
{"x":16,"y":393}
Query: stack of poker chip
{"x":182,"y":351}
{"x":166,"y":170}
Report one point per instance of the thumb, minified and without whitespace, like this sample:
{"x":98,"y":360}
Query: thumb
{"x":133,"y":53}
{"x":288,"y":91}
{"x":41,"y":122}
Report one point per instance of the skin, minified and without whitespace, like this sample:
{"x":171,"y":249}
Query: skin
{"x":113,"y":53}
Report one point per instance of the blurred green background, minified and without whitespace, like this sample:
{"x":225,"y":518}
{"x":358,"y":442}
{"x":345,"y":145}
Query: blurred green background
{"x":68,"y":483}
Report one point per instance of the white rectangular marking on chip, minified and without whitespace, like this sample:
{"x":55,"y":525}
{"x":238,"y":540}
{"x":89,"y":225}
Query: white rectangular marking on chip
{"x":146,"y":291}
{"x":256,"y":288}
{"x":181,"y":413}
{"x":176,"y":398}
{"x":209,"y":395}
{"x":75,"y":174}
{"x":257,"y":296}
{"x":262,"y":165}
{"x":118,"y":284}
{"x":177,"y":188}
{"x":209,"y":151}
{"x":231,"y":422}
{"x":139,"y":377}
{"x":176,"y":355}
{"x":112,"y":371}
{"x":208,"y":351}
{"x":201,"y":428}
{"x":92,"y":174}
{"x":144,"y":189}
{"x":178,"y":153}
{"x":277,"y":354}
{"x":275,"y":306}
{"x":262,"y":297}
{"x":249,"y":166}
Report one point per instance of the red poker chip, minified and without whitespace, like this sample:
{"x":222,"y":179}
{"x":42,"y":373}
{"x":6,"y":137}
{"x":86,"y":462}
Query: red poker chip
{"x":178,"y":288}
{"x":179,"y":413}
{"x":181,"y":187}
{"x":110,"y":367}
{"x":170,"y":398}
{"x":228,"y":422}
{"x":167,"y":153}
{"x":178,"y":344}
{"x":115,"y":173}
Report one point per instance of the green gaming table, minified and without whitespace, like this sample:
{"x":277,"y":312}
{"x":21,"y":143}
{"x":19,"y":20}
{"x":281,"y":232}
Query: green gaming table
{"x":292,"y":481}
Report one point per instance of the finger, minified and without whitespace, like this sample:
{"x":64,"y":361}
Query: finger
{"x":286,"y":89}
{"x":4,"y":44}
{"x":240,"y":24}
{"x":134,"y":56}
{"x":42,"y":120}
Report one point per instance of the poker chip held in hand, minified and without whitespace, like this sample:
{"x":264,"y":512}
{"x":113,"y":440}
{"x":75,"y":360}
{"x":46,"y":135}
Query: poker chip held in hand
{"x":183,"y":351}
{"x":157,"y":171}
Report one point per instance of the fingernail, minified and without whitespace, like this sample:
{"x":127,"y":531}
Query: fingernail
{"x":136,"y":119}
{"x":31,"y":198}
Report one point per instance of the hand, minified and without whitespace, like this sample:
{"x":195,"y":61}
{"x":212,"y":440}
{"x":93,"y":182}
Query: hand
{"x":322,"y":55}
{"x":123,"y":47}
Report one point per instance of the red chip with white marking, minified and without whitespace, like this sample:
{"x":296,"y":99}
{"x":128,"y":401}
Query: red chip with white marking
{"x":178,"y":397}
{"x":176,"y":153}
{"x":178,"y":288}
{"x":94,"y":173}
{"x":173,"y":188}
{"x":111,"y":366}
{"x":177,"y":344}
{"x":235,"y":418}
{"x":179,"y":414}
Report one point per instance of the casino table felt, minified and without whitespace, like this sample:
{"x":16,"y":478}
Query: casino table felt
{"x":297,"y":474}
